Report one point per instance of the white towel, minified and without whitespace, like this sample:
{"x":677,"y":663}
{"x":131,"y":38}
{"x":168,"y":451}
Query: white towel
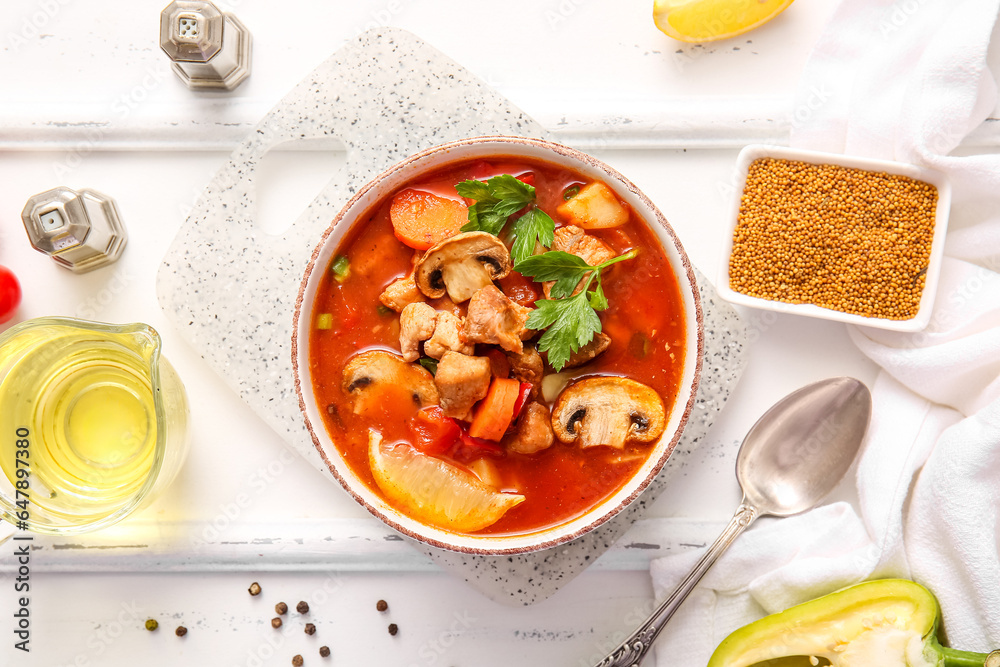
{"x":906,"y":81}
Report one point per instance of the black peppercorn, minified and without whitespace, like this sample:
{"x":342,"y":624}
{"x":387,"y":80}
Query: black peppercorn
{"x":275,"y":622}
{"x":310,"y":629}
{"x":381,"y":605}
{"x":180,"y":631}
{"x":302,"y":608}
{"x":324,"y":651}
{"x":393,"y":629}
{"x":281,"y":608}
{"x":254,"y":588}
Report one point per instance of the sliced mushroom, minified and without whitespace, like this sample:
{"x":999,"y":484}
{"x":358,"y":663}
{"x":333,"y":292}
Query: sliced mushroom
{"x":462,"y":265}
{"x":534,"y":431}
{"x":598,"y":344}
{"x":496,"y":320}
{"x":373,"y":376}
{"x":461,"y":381}
{"x":416,"y":324}
{"x":608,"y":411}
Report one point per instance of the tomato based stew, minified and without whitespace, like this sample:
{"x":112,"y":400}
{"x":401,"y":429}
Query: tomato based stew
{"x":497,"y":346}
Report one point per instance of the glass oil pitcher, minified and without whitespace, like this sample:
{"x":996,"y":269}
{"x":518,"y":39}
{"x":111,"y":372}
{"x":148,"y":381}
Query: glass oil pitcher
{"x":93,"y":423}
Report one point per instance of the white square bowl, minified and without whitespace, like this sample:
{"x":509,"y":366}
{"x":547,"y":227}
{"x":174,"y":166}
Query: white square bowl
{"x":935,"y":178}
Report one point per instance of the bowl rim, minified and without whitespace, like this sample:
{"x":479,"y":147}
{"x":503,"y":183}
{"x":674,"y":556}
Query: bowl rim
{"x":934,"y":177}
{"x":695,"y":346}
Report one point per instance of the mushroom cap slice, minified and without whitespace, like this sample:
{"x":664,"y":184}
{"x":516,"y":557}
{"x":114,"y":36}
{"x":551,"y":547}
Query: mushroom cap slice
{"x":372,"y":376}
{"x":461,"y":265}
{"x":608,"y":411}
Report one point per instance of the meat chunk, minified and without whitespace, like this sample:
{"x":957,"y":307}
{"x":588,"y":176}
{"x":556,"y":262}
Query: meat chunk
{"x":400,"y":293}
{"x":577,"y":242}
{"x":528,"y":367}
{"x":447,"y":336}
{"x":496,"y":320}
{"x":416,"y":324}
{"x":534,"y":431}
{"x":588,"y":352}
{"x":461,"y":381}
{"x":574,"y":240}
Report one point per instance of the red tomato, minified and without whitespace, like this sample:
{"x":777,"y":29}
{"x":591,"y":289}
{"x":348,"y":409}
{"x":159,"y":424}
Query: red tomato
{"x":433,"y":431}
{"x":10,"y":294}
{"x":469,"y":448}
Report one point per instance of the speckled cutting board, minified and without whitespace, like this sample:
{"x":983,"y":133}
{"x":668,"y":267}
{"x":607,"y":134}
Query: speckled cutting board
{"x":230,"y":288}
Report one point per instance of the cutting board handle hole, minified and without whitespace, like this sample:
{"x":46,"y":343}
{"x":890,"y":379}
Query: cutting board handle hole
{"x":290,"y":176}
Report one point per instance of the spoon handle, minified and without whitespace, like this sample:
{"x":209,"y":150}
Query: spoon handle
{"x":633,"y":649}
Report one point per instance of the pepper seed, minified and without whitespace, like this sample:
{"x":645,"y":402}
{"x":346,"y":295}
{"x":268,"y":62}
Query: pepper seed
{"x":281,"y":608}
{"x":381,"y":605}
{"x":297,"y":661}
{"x":310,"y":629}
{"x":180,"y":631}
{"x":254,"y":588}
{"x":275,"y":622}
{"x":393,"y":629}
{"x":302,"y":608}
{"x":324,"y":651}
{"x":152,"y":624}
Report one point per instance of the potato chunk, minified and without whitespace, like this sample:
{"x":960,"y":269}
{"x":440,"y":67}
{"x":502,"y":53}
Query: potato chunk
{"x":594,"y":207}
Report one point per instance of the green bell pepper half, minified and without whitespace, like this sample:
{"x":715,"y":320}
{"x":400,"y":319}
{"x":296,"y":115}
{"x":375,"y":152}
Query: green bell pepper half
{"x":888,"y":622}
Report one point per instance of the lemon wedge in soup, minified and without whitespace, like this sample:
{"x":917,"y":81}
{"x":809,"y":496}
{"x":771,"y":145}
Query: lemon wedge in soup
{"x":710,"y":20}
{"x":435,"y":491}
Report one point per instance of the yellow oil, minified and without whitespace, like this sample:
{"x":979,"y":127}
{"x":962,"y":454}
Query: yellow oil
{"x":87,"y":403}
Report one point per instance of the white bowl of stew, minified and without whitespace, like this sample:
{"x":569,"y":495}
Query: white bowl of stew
{"x":392,"y":354}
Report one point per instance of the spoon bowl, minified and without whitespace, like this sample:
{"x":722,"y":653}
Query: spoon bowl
{"x":801,"y":448}
{"x":789,"y":461}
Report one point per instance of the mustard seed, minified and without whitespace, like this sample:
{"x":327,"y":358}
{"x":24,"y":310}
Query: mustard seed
{"x":846,"y":239}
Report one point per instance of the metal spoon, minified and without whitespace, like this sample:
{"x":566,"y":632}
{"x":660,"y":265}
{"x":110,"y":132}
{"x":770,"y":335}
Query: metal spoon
{"x":792,"y":457}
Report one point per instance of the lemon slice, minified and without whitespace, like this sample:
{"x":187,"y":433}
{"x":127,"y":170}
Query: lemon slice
{"x":434,"y":491}
{"x":709,"y":20}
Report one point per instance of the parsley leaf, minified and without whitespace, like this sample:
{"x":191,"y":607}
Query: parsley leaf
{"x":571,"y":324}
{"x":553,"y":265}
{"x":597,"y":299}
{"x":499,"y":198}
{"x":533,"y":227}
{"x":472,"y":189}
{"x":571,"y":321}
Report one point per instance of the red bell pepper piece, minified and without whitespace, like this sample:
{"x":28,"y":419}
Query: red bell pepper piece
{"x":433,"y":431}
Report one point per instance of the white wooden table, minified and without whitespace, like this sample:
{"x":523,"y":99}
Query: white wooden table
{"x":87,"y":100}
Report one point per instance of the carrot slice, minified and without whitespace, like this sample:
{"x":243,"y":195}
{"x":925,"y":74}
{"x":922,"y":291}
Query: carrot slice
{"x":420,"y":219}
{"x":495,"y":412}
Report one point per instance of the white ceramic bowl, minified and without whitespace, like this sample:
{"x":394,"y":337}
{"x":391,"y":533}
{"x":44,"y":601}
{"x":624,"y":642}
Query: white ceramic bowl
{"x":935,"y":178}
{"x":432,"y":160}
